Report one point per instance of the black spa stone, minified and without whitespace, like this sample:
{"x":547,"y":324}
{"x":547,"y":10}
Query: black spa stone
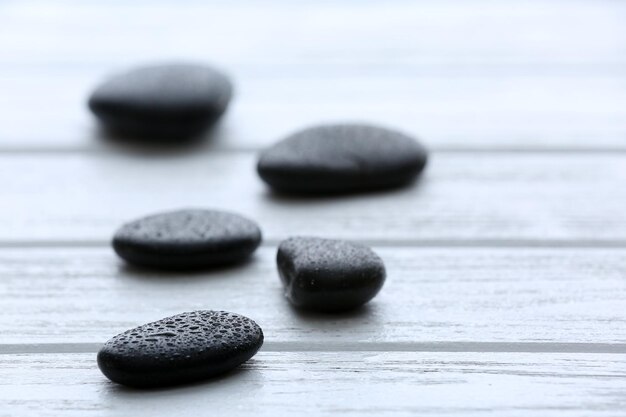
{"x":164,"y":102}
{"x":328,"y":275}
{"x":187,"y":239}
{"x":180,"y":349}
{"x":341,"y":159}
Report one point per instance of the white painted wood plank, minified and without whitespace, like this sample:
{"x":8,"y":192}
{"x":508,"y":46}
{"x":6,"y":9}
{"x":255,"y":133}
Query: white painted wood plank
{"x":462,"y":197}
{"x":466,"y":112}
{"x":431,"y":295}
{"x":459,"y":73}
{"x":328,"y":384}
{"x":273,"y":36}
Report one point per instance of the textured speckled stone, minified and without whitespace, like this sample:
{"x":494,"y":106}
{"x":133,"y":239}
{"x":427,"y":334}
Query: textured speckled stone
{"x":328,"y":275}
{"x":180,"y":349}
{"x":167,"y":102}
{"x":341,"y":158}
{"x":187,"y":239}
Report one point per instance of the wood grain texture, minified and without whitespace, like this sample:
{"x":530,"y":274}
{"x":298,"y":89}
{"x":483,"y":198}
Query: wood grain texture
{"x":461,"y":198}
{"x":431,"y":295}
{"x":461,"y":74}
{"x":325,"y":384}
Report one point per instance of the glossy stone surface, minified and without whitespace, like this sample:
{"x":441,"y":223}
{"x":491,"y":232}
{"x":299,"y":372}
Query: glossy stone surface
{"x":329,"y":275}
{"x":187,"y":239}
{"x":165,"y":102}
{"x":341,"y":159}
{"x":180,"y":349}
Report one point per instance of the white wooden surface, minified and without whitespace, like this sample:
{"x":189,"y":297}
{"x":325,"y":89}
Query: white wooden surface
{"x":506,"y":263}
{"x":333,"y":383}
{"x":463,"y":74}
{"x":462,"y":197}
{"x":473,"y":110}
{"x":443,"y":295}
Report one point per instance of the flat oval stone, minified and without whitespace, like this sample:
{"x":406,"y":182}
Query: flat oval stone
{"x":183,"y":348}
{"x":342,"y":158}
{"x":329,"y":275}
{"x":187,"y":239}
{"x":169,"y":101}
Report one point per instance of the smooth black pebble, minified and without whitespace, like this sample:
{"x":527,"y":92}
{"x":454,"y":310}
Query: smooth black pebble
{"x":166,"y":102}
{"x":187,"y":239}
{"x":329,"y":275}
{"x":341,"y":159}
{"x":180,"y":349}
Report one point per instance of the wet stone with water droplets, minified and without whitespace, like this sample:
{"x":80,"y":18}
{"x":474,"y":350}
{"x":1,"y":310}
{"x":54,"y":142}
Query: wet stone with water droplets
{"x":343,"y":158}
{"x":187,"y":239}
{"x":166,"y":102}
{"x":180,"y":349}
{"x":329,"y":275}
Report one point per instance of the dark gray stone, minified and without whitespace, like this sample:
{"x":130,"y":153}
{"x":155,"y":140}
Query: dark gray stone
{"x":342,"y":159}
{"x":180,"y":349}
{"x":187,"y":239}
{"x":329,"y":275}
{"x":164,"y":102}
